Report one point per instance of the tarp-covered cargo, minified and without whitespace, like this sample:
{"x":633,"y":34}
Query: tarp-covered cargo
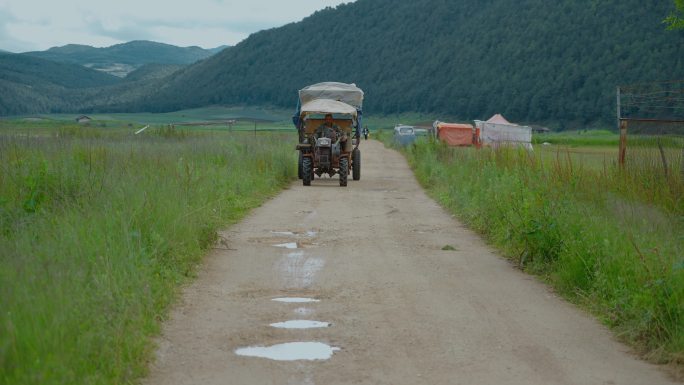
{"x":342,"y":92}
{"x":496,"y":133}
{"x":327,"y":106}
{"x":455,"y":134}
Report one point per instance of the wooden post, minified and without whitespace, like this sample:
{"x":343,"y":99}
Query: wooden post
{"x":623,"y":143}
{"x":681,"y":169}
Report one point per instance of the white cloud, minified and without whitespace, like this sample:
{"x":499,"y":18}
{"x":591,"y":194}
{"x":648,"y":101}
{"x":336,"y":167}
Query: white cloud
{"x":38,"y":24}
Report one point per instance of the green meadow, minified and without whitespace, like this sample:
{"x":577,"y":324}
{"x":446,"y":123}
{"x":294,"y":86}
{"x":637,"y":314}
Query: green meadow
{"x":607,"y":238}
{"x":99,"y":227}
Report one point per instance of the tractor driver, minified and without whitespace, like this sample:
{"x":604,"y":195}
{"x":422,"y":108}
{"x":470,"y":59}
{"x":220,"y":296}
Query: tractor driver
{"x":328,"y":128}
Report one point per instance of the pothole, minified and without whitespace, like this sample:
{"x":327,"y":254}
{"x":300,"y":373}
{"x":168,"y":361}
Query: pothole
{"x":291,"y":351}
{"x":296,"y":300}
{"x":301,"y":324}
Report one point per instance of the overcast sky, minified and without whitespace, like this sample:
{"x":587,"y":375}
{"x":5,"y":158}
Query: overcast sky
{"x":27,"y":25}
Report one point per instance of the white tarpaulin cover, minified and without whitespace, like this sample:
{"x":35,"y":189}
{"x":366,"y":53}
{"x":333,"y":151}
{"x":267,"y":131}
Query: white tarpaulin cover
{"x":326,"y":106}
{"x":495,"y":134}
{"x":346,"y":93}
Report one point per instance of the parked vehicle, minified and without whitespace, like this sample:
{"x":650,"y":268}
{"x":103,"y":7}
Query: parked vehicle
{"x":404,"y":135}
{"x":330,"y":147}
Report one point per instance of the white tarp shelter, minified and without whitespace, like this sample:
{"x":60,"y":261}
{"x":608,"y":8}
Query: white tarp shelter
{"x":341,"y":92}
{"x":326,"y":106}
{"x":498,"y":131}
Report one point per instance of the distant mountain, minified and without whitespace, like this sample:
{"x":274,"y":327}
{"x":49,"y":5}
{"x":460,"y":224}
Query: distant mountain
{"x":29,"y":84}
{"x":218,"y":49}
{"x":534,"y":61}
{"x":153,"y":71}
{"x":122,"y":59}
{"x":35,"y":71}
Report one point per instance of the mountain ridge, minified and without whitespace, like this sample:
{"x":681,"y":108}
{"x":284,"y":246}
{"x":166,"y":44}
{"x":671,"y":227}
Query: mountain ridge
{"x":121,"y":59}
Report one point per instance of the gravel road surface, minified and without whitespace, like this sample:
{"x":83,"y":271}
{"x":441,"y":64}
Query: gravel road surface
{"x":392,"y":306}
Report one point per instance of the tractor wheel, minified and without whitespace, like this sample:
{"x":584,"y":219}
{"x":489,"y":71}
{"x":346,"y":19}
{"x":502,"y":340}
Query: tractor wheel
{"x":300,"y":174}
{"x":344,"y":171}
{"x":307,"y":171}
{"x":356,"y":164}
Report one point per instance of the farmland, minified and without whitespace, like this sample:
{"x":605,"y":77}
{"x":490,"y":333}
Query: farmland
{"x":99,"y":227}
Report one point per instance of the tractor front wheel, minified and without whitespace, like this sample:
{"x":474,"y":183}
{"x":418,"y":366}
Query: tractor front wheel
{"x":307,"y":171}
{"x":344,"y":171}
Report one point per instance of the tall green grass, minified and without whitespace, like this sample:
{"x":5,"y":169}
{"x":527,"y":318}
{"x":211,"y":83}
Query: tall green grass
{"x":97,"y":231}
{"x":609,"y":239}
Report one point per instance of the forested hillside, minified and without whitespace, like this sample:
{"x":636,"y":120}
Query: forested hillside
{"x":29,"y":84}
{"x":533,"y":60}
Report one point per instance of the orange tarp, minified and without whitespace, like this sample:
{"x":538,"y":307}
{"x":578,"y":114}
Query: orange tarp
{"x":455,"y":134}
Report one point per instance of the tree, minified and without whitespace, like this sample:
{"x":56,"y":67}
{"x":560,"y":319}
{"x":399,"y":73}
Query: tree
{"x":676,"y":18}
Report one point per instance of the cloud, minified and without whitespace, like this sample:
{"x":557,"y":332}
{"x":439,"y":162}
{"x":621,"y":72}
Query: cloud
{"x":37,"y":24}
{"x":125,"y":31}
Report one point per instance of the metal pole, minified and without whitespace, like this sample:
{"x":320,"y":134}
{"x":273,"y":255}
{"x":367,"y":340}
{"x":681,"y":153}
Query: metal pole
{"x":619,"y":112}
{"x":623,"y":143}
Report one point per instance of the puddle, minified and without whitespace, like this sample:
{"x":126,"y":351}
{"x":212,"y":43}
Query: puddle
{"x":291,"y":351}
{"x":301,"y":324}
{"x":303,"y":311}
{"x":289,"y":245}
{"x":299,"y":271}
{"x":311,"y":233}
{"x":287,"y":233}
{"x":296,"y":300}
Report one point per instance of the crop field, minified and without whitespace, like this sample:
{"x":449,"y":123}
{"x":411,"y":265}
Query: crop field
{"x":607,"y":238}
{"x":99,"y":227}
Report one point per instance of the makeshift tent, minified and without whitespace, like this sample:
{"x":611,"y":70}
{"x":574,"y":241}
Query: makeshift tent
{"x":498,"y":131}
{"x":455,"y":134}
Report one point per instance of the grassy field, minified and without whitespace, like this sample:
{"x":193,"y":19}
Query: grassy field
{"x":608,"y":239}
{"x":261,"y":114}
{"x":99,"y":227}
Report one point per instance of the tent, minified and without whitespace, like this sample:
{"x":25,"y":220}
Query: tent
{"x":498,"y":131}
{"x":455,"y":134}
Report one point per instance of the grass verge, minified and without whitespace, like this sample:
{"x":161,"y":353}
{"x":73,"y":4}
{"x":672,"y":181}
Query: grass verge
{"x":97,"y":232}
{"x":607,"y":239}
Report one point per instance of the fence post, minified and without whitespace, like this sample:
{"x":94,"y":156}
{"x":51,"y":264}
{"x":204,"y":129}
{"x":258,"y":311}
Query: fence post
{"x":623,"y":143}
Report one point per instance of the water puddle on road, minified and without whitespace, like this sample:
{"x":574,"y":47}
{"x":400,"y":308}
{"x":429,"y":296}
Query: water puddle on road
{"x":296,"y":300}
{"x":289,"y":245}
{"x":286,"y":233}
{"x":301,"y":324}
{"x":291,"y":351}
{"x":299,"y":271}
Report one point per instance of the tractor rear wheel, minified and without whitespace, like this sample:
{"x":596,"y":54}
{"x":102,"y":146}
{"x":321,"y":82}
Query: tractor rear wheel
{"x":356,"y":164}
{"x":307,"y":171}
{"x":344,"y":171}
{"x":300,"y":174}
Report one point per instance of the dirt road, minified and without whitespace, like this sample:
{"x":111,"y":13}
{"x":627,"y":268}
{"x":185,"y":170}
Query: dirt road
{"x":402,"y":311}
